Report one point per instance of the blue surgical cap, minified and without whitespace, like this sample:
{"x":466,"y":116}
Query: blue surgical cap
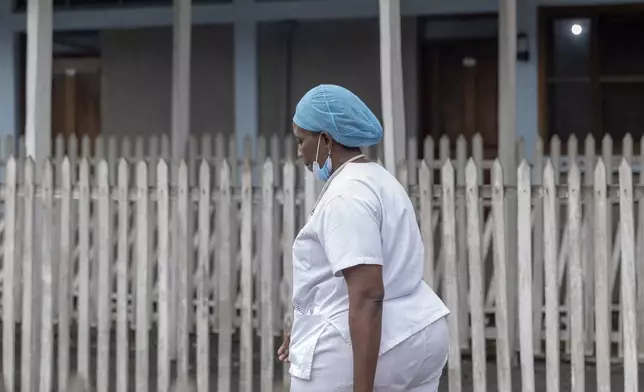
{"x":340,"y":113}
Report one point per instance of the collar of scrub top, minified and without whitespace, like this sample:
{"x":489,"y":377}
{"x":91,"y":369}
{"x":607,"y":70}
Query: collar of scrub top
{"x":326,"y":184}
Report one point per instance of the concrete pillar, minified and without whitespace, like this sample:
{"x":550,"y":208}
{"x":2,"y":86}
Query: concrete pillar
{"x":527,"y":89}
{"x":8,"y":75}
{"x":507,"y":144}
{"x":246,"y":85}
{"x":181,"y":56}
{"x":392,"y":88}
{"x":39,"y":74}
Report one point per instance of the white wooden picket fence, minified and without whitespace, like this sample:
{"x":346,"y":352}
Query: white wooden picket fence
{"x":97,"y":249}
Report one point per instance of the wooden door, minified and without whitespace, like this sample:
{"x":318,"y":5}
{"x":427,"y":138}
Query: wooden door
{"x":460,"y":90}
{"x":76,"y":98}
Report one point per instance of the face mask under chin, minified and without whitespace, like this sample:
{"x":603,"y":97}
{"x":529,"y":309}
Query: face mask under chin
{"x":322,"y":173}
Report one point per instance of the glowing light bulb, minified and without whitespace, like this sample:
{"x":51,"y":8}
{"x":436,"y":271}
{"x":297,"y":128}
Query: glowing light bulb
{"x":576,"y":29}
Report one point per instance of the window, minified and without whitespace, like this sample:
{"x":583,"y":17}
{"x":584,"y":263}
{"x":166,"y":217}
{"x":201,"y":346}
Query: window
{"x":594,"y":73}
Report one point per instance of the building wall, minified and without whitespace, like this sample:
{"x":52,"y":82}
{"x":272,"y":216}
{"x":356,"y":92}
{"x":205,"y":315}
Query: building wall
{"x":137,"y":71}
{"x":137,"y":78}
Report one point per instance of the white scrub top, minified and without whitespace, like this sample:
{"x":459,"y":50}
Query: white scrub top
{"x":364,"y":217}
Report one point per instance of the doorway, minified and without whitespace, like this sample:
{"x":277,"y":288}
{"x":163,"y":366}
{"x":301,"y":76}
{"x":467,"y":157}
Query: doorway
{"x":76,"y":97}
{"x":76,"y":84}
{"x":460,"y":90}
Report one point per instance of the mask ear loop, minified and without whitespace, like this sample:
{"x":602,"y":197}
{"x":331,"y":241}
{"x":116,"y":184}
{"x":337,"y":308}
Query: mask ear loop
{"x":317,"y":151}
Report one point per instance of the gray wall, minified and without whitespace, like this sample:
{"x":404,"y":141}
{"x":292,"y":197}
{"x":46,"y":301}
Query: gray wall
{"x":137,"y":70}
{"x":137,"y":75}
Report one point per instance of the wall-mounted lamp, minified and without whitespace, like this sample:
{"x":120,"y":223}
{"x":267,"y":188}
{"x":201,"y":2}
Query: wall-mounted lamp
{"x":523,"y":47}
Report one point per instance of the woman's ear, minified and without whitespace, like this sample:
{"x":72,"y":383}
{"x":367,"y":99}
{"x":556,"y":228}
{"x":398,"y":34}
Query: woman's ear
{"x":328,"y":141}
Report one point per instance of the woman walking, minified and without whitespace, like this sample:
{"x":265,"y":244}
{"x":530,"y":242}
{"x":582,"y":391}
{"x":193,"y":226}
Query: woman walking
{"x":364,"y":318}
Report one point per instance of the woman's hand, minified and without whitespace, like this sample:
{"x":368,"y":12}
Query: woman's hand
{"x":282,"y":352}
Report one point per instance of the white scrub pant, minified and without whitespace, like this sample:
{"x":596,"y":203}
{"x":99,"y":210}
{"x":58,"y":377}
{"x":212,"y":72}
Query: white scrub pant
{"x":415,"y":365}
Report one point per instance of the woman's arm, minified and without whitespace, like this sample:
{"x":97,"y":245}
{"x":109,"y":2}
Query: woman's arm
{"x":366,"y":293}
{"x":353,"y":245}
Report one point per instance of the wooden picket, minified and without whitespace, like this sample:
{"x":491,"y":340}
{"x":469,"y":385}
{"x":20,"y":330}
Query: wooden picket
{"x":100,"y":242}
{"x":524,"y":244}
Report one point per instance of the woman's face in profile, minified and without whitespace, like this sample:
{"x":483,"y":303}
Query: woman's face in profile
{"x":307,"y":144}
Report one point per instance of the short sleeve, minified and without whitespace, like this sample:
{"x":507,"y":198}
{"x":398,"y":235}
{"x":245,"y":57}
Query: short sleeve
{"x":350,"y":232}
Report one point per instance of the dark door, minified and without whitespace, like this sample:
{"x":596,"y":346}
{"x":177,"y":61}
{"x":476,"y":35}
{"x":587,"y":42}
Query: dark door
{"x":460,"y":90}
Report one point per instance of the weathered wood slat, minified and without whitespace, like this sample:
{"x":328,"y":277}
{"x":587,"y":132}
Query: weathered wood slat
{"x":246,"y":365}
{"x":184,"y":286}
{"x":524,"y":252}
{"x":226,"y":297}
{"x":477,"y":292}
{"x":142,"y":284}
{"x":10,"y":283}
{"x":426,"y":208}
{"x":104,"y":278}
{"x":587,"y":251}
{"x":266,"y":279}
{"x":203,"y":278}
{"x":451,"y":278}
{"x":122,"y":262}
{"x":289,"y":226}
{"x":550,"y":246}
{"x":65,"y":273}
{"x":28,"y":357}
{"x":163,"y":284}
{"x":537,"y":249}
{"x":45,"y":281}
{"x":461,"y":243}
{"x":83,"y":274}
{"x":602,"y":297}
{"x":500,"y":266}
{"x":575,"y":282}
{"x":639,"y":264}
{"x":628,"y":294}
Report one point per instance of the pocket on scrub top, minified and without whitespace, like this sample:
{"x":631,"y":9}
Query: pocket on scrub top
{"x":305,"y":333}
